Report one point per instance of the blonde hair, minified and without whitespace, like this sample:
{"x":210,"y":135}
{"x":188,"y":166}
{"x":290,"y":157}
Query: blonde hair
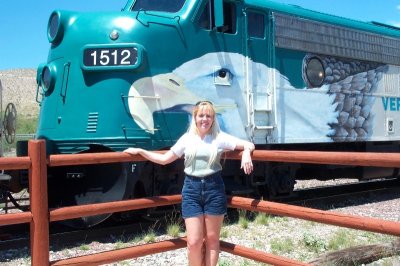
{"x":213,"y":131}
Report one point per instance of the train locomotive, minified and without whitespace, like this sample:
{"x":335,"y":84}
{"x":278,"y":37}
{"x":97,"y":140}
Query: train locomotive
{"x":282,"y":76}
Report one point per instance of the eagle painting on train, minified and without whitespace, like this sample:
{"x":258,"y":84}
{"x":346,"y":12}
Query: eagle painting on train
{"x":342,"y":109}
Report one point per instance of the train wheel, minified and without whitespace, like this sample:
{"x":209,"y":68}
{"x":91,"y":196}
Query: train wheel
{"x":10,"y":123}
{"x":280,"y":182}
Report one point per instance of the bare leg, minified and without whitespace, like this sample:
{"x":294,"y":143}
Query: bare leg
{"x":195,"y":238}
{"x":213,"y":225}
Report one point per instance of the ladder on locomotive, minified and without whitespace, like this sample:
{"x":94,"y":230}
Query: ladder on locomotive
{"x":261,"y":114}
{"x":260,"y":98}
{"x":261,"y":106}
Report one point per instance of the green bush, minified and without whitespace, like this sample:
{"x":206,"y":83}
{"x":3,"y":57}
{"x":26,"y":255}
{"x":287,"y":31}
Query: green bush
{"x":314,"y":243}
{"x":282,"y":246}
{"x":26,"y":125}
{"x":343,"y":238}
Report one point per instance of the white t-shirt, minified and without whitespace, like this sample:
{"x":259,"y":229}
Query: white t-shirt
{"x":199,"y":166}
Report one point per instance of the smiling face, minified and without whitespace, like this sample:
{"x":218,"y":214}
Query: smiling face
{"x":204,"y":116}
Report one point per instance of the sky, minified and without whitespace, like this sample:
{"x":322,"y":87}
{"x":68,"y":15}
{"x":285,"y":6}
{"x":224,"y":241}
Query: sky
{"x":23,"y":24}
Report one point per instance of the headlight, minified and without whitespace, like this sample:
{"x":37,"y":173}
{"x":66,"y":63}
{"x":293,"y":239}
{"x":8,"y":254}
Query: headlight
{"x":314,"y":72}
{"x":55,"y":30}
{"x":48,"y":78}
{"x":39,"y":74}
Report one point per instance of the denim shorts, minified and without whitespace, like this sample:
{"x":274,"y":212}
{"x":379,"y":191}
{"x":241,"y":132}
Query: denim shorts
{"x":202,"y":196}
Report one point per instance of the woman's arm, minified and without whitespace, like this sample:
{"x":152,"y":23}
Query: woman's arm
{"x":159,"y":158}
{"x":245,"y":145}
{"x":247,"y":148}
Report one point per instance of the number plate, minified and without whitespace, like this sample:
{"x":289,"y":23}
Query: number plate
{"x":99,"y":57}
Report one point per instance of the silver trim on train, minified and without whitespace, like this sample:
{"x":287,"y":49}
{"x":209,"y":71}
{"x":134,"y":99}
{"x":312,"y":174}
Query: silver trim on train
{"x":323,"y":38}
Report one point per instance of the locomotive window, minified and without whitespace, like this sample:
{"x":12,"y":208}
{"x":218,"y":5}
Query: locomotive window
{"x":229,"y":19}
{"x":255,"y":25}
{"x":171,"y":6}
{"x":207,"y":19}
{"x":315,"y":73}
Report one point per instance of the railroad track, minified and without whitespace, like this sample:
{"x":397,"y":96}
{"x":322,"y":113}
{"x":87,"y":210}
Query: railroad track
{"x":331,"y":197}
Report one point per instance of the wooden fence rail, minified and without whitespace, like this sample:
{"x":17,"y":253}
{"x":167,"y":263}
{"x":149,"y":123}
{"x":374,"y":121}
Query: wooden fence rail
{"x":313,"y":157}
{"x":326,"y":217}
{"x":65,"y":213}
{"x":169,"y":245}
{"x":40,"y":216}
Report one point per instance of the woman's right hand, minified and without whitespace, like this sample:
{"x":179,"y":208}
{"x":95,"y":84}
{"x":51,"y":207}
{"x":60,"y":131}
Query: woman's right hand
{"x":247,"y":163}
{"x":133,"y":151}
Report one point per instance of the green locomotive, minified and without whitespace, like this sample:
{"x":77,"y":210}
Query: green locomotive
{"x":279,"y":75}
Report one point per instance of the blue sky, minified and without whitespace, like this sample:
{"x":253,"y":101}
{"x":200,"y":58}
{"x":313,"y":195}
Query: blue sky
{"x":23,"y":41}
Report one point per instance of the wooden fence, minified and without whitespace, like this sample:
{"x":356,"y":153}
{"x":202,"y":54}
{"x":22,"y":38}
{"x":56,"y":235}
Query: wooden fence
{"x":40,"y":216}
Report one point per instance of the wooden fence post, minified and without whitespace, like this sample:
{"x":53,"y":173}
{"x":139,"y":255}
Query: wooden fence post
{"x":39,"y":226}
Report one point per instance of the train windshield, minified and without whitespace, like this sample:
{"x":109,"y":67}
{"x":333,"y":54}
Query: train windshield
{"x":170,"y":6}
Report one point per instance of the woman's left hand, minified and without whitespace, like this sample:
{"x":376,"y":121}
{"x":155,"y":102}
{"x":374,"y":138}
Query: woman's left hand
{"x":247,"y":163}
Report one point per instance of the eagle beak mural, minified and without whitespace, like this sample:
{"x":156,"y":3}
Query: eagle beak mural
{"x":160,"y":92}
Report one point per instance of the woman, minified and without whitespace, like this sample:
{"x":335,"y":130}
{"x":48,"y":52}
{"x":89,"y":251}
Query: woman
{"x":203,"y":195}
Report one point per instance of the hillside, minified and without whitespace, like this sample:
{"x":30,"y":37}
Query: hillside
{"x":19,"y":87}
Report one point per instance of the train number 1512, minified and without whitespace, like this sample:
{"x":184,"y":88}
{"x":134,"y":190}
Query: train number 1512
{"x":110,"y":56}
